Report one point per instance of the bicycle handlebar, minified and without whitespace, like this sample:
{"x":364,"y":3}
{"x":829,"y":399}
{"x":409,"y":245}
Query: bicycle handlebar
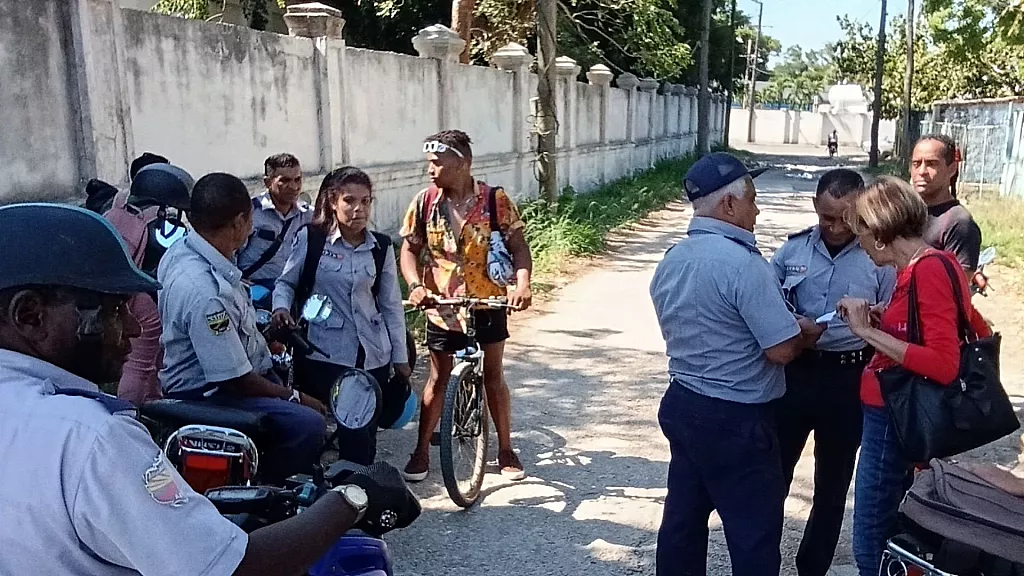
{"x":493,"y":302}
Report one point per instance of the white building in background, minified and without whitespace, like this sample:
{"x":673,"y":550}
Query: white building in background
{"x":847,"y":111}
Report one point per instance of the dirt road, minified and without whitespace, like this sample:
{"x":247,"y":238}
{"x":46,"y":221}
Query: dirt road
{"x":587,"y":371}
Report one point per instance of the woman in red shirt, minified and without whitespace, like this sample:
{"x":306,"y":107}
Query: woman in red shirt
{"x":889,"y":218}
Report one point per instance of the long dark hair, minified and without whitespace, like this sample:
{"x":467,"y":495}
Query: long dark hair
{"x":330,"y":189}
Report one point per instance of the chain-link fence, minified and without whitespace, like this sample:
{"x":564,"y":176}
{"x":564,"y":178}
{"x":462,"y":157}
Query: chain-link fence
{"x":991,"y":141}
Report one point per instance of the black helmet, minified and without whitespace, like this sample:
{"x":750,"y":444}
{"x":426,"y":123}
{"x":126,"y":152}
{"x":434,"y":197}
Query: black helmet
{"x":60,"y":245}
{"x":162,"y":185}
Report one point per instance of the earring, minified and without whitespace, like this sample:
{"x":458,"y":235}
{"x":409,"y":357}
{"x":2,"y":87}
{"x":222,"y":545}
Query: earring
{"x":879,"y":246}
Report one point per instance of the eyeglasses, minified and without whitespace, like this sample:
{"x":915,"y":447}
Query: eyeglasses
{"x":435,"y":147}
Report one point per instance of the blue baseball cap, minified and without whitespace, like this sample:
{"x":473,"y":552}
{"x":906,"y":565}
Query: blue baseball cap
{"x":714,"y":172}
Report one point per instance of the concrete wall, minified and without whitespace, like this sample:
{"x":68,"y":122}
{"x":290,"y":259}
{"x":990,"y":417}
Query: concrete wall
{"x":38,"y":141}
{"x":98,"y":84}
{"x":808,"y":128}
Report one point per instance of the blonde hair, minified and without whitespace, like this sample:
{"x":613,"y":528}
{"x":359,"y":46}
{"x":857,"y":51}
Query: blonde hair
{"x":889,"y":209}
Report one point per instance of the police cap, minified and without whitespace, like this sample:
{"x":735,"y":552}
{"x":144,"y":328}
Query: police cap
{"x":60,"y":245}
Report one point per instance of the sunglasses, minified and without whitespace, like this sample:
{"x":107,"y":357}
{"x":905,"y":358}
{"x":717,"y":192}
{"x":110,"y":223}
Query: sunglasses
{"x":435,"y":147}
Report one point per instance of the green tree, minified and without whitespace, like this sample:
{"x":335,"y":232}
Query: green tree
{"x":800,"y":78}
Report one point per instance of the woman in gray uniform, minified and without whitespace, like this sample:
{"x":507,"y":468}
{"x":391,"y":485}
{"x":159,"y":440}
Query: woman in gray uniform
{"x":356,"y":269}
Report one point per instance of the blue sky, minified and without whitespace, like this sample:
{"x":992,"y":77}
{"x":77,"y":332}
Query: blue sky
{"x":812,"y":23}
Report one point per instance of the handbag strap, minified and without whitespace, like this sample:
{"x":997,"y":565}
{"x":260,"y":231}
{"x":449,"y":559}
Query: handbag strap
{"x":492,"y":207}
{"x":913,"y":313}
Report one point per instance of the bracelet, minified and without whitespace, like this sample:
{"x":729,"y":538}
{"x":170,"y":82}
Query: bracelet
{"x":414,"y":286}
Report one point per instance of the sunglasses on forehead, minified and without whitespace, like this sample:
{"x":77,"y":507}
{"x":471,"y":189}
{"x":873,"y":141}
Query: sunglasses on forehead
{"x":435,"y":147}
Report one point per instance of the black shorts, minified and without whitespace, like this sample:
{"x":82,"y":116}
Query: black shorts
{"x":491,"y":327}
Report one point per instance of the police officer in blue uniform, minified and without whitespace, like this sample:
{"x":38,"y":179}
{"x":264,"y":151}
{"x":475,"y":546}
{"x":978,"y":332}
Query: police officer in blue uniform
{"x":85,"y":490}
{"x":728,"y":333}
{"x":817,"y":267}
{"x":212,"y":347}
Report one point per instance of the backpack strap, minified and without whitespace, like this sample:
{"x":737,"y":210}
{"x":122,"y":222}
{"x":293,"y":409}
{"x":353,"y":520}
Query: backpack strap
{"x":427,"y":201}
{"x":380,"y":253}
{"x":492,"y":207}
{"x":316,"y":239}
{"x":271,"y":250}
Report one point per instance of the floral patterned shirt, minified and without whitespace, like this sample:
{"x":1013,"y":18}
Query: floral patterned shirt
{"x":455,"y":264}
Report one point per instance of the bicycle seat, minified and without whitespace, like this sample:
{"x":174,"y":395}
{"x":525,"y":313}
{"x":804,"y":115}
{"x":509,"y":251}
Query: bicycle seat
{"x":179,"y":413}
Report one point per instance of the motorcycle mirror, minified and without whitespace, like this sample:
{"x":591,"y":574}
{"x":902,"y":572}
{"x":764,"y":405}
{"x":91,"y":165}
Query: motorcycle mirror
{"x":988,"y":255}
{"x":355,"y":399}
{"x":263,"y":317}
{"x":317,"y":309}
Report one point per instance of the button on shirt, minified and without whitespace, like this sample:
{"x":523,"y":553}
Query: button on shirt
{"x":814,"y":282}
{"x":209,"y":323}
{"x":345,"y":274}
{"x":720,"y":306}
{"x":85,"y":491}
{"x":267,"y":224}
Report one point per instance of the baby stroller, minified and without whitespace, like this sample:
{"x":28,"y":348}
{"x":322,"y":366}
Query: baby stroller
{"x":953,"y":523}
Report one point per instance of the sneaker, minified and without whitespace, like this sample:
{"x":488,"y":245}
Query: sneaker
{"x":417,"y":468}
{"x":511,"y":467}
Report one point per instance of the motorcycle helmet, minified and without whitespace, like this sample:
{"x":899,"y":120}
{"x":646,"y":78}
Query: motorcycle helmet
{"x":162,"y":185}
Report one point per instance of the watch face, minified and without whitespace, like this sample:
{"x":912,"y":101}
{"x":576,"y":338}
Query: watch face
{"x":356,"y":496}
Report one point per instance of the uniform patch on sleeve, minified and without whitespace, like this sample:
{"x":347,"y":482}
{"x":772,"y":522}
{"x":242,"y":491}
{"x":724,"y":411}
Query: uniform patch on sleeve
{"x":162,"y":485}
{"x":219,"y":322}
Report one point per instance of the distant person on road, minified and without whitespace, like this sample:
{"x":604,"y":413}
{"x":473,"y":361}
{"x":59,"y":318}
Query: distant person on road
{"x":817,"y":267}
{"x":728,"y":332}
{"x":934,"y":170}
{"x":278,"y":214}
{"x":445,"y":253}
{"x":833,"y":143}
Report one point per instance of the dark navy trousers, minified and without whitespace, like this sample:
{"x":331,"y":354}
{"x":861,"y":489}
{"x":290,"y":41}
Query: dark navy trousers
{"x":725,"y":457}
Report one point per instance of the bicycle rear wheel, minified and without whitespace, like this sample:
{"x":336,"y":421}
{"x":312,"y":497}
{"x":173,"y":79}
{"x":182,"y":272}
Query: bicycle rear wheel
{"x":464,"y":435}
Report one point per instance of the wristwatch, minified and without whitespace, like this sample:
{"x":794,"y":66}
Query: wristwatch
{"x":356,"y":498}
{"x":296,"y":396}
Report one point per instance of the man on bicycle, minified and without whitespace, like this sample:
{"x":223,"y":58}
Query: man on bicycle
{"x":444,"y":253}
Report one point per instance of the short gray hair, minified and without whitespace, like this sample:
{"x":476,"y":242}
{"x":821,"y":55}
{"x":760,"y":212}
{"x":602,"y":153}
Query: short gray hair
{"x":705,"y":204}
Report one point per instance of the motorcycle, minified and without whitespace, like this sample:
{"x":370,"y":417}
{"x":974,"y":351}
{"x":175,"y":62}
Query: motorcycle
{"x":979,"y":282}
{"x":833,"y":149}
{"x":212,"y":445}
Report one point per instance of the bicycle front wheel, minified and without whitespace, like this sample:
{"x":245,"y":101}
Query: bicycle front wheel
{"x":464,"y":435}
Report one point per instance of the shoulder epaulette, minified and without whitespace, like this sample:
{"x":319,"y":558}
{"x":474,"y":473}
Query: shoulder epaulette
{"x":112,"y":404}
{"x":801,"y":233}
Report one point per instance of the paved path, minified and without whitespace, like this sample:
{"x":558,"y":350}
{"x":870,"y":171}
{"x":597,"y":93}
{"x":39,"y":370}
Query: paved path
{"x":587,"y":370}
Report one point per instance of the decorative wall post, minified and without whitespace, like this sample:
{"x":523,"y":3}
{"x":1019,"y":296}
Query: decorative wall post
{"x":516,"y":58}
{"x":601,"y":75}
{"x":324,"y":25}
{"x":444,"y":45}
{"x":682,"y":118}
{"x":649,"y":86}
{"x":567,"y":71}
{"x":629,"y":82}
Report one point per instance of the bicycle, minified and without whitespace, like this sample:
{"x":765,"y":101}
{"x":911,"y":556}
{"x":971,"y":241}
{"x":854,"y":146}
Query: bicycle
{"x":465,"y":420}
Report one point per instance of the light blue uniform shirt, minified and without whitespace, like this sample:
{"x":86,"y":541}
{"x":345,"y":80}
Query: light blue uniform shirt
{"x":267,"y":224}
{"x":720,"y":307}
{"x":86,"y":491}
{"x":209,"y":323}
{"x":346,"y":275}
{"x":813,"y":282}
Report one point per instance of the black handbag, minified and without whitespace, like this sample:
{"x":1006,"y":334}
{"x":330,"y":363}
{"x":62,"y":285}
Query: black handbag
{"x":935,"y":421}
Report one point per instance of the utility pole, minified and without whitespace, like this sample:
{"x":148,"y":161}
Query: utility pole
{"x":546,"y":120}
{"x":704,"y":94}
{"x":732,"y":73}
{"x":876,"y":112}
{"x":908,"y":83}
{"x":753,"y":74}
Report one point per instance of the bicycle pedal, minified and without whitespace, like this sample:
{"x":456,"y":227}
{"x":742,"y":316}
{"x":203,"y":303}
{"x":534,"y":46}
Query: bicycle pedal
{"x":435,"y":439}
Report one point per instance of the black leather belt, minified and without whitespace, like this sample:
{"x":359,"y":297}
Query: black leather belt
{"x":852,"y":358}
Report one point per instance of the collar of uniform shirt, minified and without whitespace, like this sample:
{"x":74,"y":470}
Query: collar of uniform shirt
{"x":706,"y":225}
{"x":819,"y":243}
{"x":224,"y":266}
{"x":43,"y":371}
{"x":267,"y":203}
{"x":371,"y":241}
